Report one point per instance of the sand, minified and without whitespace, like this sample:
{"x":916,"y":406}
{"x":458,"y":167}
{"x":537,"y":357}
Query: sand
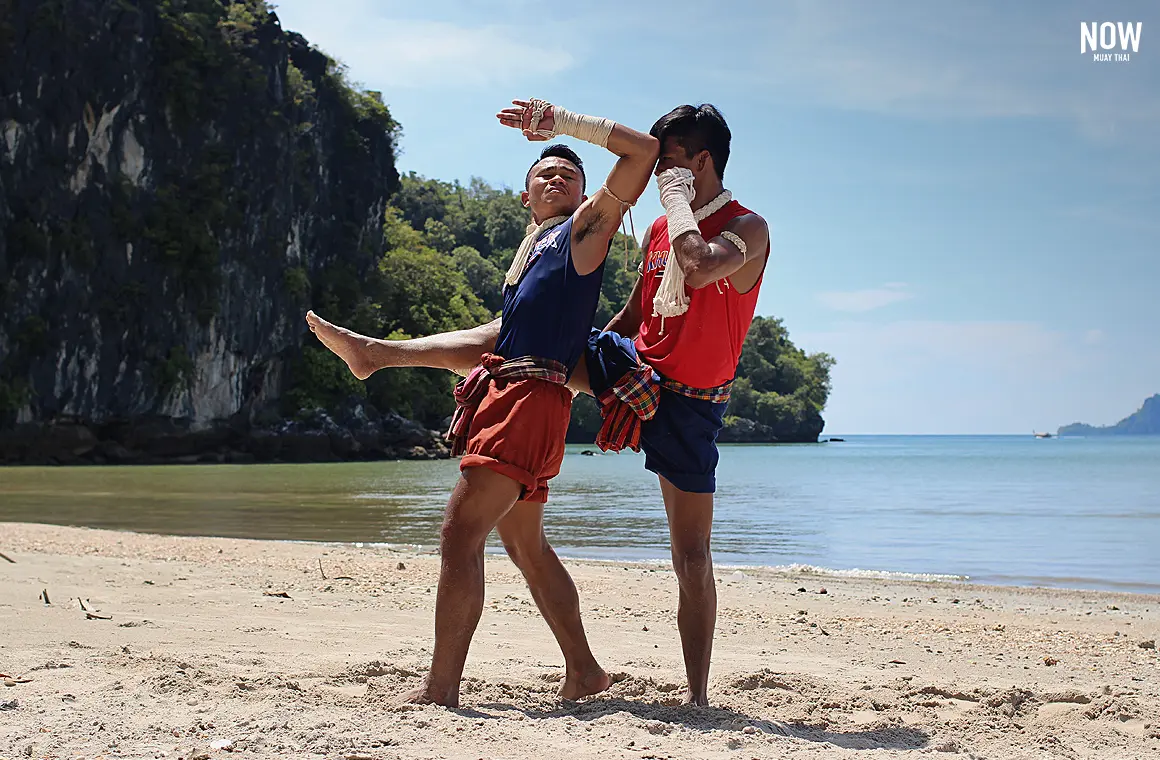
{"x":199,"y":660}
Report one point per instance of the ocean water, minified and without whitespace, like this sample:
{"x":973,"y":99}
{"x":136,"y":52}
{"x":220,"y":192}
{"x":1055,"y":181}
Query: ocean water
{"x":1013,"y":510}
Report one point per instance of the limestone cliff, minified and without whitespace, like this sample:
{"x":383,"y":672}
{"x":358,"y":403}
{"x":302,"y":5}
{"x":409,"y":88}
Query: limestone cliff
{"x":175,"y":175}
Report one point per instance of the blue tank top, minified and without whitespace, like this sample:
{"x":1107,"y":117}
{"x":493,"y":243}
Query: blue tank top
{"x":549,"y":312}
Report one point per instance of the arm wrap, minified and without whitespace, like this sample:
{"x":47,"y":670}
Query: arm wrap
{"x":736,"y":240}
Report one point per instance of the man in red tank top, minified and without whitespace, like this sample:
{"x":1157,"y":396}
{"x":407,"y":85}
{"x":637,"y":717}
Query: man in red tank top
{"x":682,"y":339}
{"x":690,"y":333}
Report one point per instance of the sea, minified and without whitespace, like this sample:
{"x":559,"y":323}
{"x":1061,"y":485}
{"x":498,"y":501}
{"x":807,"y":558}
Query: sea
{"x":1007,"y":510}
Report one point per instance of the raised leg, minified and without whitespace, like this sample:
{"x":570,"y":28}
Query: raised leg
{"x":457,"y":351}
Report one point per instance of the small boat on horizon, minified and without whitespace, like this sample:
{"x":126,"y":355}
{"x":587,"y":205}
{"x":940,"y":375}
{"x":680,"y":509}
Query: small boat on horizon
{"x":1041,"y":435}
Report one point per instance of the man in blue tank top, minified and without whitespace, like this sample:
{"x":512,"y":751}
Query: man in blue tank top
{"x":513,"y":408}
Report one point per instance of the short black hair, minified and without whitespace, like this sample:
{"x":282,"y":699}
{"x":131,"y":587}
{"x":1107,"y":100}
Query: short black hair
{"x":558,"y":150}
{"x":697,"y":128}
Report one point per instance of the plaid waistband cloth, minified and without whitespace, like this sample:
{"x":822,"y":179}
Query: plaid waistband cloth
{"x":471,"y":389}
{"x":635,"y":399}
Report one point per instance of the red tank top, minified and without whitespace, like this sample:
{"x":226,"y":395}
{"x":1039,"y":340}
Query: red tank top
{"x":701,"y":347}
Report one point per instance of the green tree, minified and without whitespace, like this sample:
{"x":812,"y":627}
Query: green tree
{"x":505,"y":223}
{"x":484,"y":277}
{"x":743,"y":399}
{"x":619,"y":278}
{"x":417,"y":291}
{"x":438,"y":235}
{"x":414,"y":290}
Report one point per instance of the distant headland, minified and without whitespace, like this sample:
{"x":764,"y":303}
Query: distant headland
{"x":1145,"y":421}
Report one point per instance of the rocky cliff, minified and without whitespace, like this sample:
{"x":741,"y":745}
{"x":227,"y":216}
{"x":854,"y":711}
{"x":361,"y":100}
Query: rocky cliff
{"x":178,"y":180}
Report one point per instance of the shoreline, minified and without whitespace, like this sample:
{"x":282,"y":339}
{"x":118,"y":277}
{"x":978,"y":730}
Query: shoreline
{"x":793,"y":569}
{"x":197,"y":650}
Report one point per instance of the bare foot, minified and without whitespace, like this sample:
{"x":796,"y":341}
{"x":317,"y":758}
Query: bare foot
{"x":425,"y":695}
{"x":700,"y":700}
{"x":578,"y":686}
{"x":349,"y":346}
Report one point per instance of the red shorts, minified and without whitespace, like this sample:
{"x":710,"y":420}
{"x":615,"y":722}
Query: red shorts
{"x":518,"y":431}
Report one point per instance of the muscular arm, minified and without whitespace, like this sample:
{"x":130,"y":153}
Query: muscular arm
{"x":707,"y":261}
{"x":597,"y":220}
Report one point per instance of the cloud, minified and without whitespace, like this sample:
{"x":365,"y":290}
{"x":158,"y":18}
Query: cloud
{"x":865,"y":300}
{"x":397,"y":52}
{"x":984,"y":60}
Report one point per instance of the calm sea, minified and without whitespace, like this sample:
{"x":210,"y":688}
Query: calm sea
{"x":1070,"y":512}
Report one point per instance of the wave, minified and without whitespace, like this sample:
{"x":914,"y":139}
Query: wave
{"x":831,"y":572}
{"x":792,"y":569}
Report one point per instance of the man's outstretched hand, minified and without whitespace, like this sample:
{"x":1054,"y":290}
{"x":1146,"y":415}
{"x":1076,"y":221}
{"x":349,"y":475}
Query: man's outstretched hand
{"x":520,"y":117}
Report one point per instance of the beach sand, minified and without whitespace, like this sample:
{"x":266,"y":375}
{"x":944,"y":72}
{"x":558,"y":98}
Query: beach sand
{"x":199,"y":660}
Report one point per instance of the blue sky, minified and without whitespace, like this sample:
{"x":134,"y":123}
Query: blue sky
{"x":964,"y":209}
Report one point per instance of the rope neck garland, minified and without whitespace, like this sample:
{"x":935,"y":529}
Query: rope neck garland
{"x":713,"y":206}
{"x":531,"y":234}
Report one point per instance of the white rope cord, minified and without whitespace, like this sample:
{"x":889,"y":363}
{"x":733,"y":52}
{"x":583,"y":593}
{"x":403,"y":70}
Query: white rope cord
{"x":736,"y":240}
{"x":523,"y":253}
{"x":624,"y":206}
{"x":677,"y":194}
{"x":716,"y":204}
{"x":591,"y":129}
{"x":538,"y":108}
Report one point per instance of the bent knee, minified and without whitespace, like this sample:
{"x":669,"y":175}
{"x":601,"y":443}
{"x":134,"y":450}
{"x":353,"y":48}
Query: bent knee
{"x":693,"y":563}
{"x":516,"y":553}
{"x":528,"y":556}
{"x":461,"y":537}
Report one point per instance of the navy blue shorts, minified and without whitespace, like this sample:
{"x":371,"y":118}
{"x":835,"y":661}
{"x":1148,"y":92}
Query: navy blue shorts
{"x":680,"y":442}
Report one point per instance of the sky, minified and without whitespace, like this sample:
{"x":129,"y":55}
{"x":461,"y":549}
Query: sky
{"x":964,"y":208}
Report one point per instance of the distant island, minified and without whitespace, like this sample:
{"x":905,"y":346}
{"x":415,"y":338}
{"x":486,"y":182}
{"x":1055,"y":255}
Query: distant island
{"x":1146,"y":421}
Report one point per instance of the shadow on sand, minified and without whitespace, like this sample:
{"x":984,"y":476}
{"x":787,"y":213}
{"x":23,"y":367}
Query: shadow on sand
{"x":706,"y":719}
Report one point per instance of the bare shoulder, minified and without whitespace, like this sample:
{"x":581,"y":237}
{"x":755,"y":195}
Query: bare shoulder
{"x":755,"y":232}
{"x":752,"y":227}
